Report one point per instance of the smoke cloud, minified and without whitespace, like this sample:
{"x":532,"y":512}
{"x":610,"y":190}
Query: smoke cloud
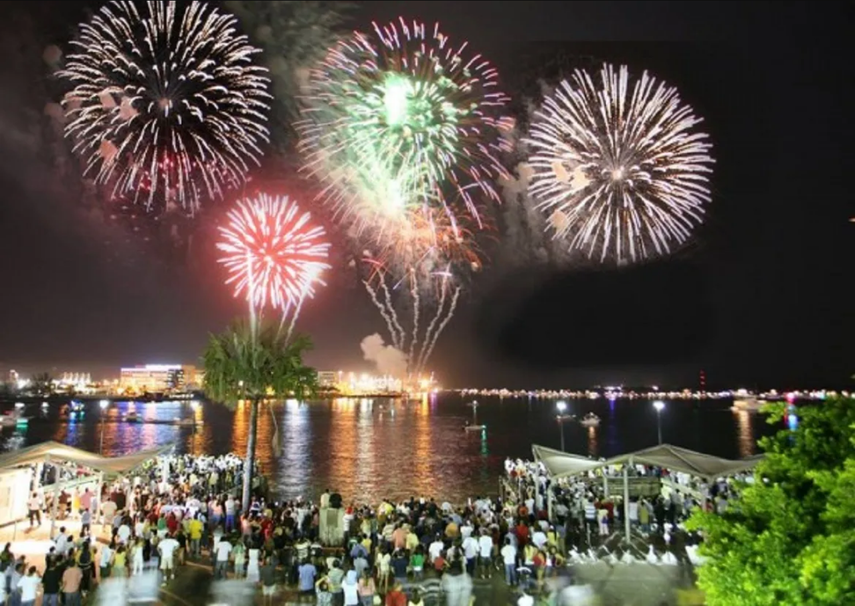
{"x":389,"y":361}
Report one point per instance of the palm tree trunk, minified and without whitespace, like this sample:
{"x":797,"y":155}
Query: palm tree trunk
{"x":249,"y":463}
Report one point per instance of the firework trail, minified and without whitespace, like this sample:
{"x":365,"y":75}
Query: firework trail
{"x":618,"y":166}
{"x":418,"y":276}
{"x":273,"y":254}
{"x":399,"y":119}
{"x":419,"y":345}
{"x":166,"y":105}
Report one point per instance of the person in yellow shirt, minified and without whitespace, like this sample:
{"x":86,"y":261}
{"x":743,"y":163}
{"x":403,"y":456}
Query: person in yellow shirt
{"x":194,"y":530}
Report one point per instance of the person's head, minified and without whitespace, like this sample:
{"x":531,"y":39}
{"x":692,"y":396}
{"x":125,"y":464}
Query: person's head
{"x":31,"y":571}
{"x":416,"y":597}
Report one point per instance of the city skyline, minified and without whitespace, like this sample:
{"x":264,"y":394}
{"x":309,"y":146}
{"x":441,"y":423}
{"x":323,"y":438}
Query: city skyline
{"x":747,"y":302}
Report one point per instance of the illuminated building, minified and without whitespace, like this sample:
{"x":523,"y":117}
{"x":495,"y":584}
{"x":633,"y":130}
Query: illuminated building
{"x":329,"y":379}
{"x":74,"y":381}
{"x":157,"y":378}
{"x":362,"y":384}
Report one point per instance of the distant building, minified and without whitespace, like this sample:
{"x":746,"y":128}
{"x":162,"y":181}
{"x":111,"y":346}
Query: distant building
{"x":77,"y":381}
{"x":157,"y":378}
{"x":329,"y":379}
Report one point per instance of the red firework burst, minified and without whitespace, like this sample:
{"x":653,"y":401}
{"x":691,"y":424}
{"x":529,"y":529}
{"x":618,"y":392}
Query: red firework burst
{"x":273,"y":253}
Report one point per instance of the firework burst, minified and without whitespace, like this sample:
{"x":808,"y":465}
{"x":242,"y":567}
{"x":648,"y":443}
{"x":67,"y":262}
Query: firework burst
{"x":166,"y":103}
{"x":618,"y":166}
{"x":400,"y":119}
{"x":273,"y":254}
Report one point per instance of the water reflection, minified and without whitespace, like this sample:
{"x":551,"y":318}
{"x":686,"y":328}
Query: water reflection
{"x":372,"y":449}
{"x":744,"y":433}
{"x":593,"y":447}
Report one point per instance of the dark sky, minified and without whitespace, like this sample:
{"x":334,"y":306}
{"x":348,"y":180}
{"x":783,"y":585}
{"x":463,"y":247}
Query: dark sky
{"x":759,"y":299}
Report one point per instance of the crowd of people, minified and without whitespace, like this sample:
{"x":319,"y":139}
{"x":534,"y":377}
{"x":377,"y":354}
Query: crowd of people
{"x":182,"y":508}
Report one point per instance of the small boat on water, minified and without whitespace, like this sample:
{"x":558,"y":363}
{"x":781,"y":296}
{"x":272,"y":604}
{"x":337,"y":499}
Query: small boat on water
{"x":474,"y":426}
{"x":132,"y":417}
{"x":13,"y":419}
{"x":748,"y":403}
{"x":76,"y":406}
{"x":590,"y":420}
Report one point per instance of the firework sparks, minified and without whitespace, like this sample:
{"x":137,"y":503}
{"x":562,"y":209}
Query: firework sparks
{"x":166,"y":103}
{"x":618,"y":166}
{"x":273,"y":254}
{"x":399,"y":119}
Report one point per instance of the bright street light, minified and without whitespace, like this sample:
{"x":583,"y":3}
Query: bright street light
{"x":659,"y":405}
{"x":561,"y":405}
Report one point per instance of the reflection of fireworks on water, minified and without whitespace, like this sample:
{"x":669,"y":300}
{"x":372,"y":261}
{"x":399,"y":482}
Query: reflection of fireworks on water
{"x":399,"y":119}
{"x":273,"y":253}
{"x":617,"y":165}
{"x":166,"y":103}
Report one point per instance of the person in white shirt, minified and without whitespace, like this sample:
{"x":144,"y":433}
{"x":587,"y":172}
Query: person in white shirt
{"x":435,"y":549}
{"x":539,"y":538}
{"x":34,"y":506}
{"x":104,"y":561}
{"x":167,"y":548}
{"x":28,"y":587}
{"x":470,"y":552}
{"x":124,"y":533}
{"x":485,"y":549}
{"x":223,"y":550}
{"x":61,"y":542}
{"x":509,"y":557}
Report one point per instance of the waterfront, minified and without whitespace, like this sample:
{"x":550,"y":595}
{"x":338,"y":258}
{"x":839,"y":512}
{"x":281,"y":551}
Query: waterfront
{"x":371,"y":449}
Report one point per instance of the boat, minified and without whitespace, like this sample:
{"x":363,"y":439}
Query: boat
{"x":474,"y":426}
{"x":132,"y":417}
{"x":590,"y":420}
{"x":76,"y":406}
{"x":748,"y":403}
{"x":13,"y":419}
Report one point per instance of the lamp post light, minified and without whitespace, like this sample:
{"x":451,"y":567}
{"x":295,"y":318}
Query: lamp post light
{"x":561,"y":406}
{"x":103,"y":404}
{"x":659,"y":405}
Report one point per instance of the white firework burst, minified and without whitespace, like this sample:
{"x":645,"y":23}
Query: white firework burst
{"x":166,"y":106}
{"x":617,"y":165}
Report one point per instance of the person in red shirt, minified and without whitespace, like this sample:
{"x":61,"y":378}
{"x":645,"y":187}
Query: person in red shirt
{"x":396,"y":597}
{"x":522,"y":535}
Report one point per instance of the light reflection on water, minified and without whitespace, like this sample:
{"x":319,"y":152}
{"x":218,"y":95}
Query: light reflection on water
{"x":368,"y":449}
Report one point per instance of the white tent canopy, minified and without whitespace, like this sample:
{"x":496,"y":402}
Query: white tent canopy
{"x":56,"y":452}
{"x":559,"y":464}
{"x":687,"y":461}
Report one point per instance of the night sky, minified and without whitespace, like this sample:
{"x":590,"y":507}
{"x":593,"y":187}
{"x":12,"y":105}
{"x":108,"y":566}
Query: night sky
{"x":759,"y":298}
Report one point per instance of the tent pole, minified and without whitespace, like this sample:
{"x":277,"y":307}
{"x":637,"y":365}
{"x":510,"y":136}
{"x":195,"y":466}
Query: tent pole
{"x":97,"y":513}
{"x":55,"y":504}
{"x":605,"y":482}
{"x":626,"y":522}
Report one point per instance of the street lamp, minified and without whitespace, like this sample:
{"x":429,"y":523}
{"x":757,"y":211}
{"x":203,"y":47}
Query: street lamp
{"x":561,"y":406}
{"x":659,"y":405}
{"x":103,"y":404}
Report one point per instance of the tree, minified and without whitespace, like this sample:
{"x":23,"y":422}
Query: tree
{"x":295,"y":36}
{"x":41,"y":384}
{"x":788,"y":538}
{"x":256,"y":363}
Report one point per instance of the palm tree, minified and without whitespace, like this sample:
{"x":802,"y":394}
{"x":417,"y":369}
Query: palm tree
{"x":256,"y":363}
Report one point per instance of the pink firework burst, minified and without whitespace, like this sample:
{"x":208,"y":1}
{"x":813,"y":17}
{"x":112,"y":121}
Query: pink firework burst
{"x":273,"y":253}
